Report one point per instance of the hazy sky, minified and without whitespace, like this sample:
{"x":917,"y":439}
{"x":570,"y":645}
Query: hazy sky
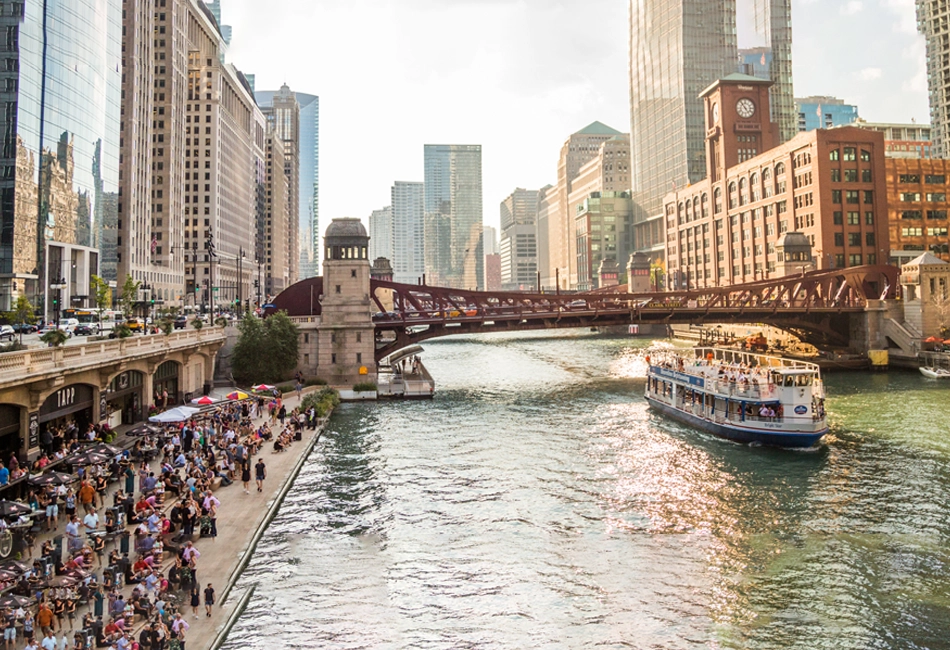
{"x":518,"y":77}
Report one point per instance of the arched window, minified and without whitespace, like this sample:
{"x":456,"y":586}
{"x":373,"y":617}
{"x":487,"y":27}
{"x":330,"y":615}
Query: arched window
{"x":695,"y":208}
{"x":780,"y":169}
{"x":705,"y":204}
{"x":733,"y":196}
{"x":743,"y":191}
{"x":754,"y":185}
{"x":680,"y":214}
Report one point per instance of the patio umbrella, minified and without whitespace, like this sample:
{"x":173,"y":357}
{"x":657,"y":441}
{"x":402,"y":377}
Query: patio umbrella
{"x":931,"y":339}
{"x":144,"y":430}
{"x":237,"y":395}
{"x":105,"y":448}
{"x":12,"y":601}
{"x":13,"y":509}
{"x":205,"y":400}
{"x":6,"y":575}
{"x":14,"y":565}
{"x":263,"y":387}
{"x":89,"y":457}
{"x":51,"y":478}
{"x":177,"y":414}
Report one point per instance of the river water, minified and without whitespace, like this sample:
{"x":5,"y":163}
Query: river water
{"x":538,"y":503}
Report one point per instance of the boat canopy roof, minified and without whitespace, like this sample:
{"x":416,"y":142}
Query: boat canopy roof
{"x":405,"y":353}
{"x":795,"y":371}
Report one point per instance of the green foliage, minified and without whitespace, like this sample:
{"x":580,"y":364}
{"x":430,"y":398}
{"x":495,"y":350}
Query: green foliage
{"x":54,"y":338}
{"x":221,"y":321}
{"x":364,"y":386}
{"x":316,"y":381}
{"x":197,"y":323}
{"x":122,"y":331}
{"x":324,"y":401}
{"x":130,"y":294}
{"x":266,"y":351}
{"x":167,"y":325}
{"x":23,"y":312}
{"x":285,"y":388}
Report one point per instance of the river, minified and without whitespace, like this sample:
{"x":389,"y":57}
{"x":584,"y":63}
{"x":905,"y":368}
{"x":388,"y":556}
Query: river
{"x":538,"y":503}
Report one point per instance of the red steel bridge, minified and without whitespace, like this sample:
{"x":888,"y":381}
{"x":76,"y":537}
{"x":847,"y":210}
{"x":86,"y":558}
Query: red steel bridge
{"x":819,"y":307}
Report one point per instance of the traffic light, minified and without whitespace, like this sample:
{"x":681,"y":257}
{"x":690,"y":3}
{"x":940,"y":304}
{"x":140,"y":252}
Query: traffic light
{"x":256,"y":284}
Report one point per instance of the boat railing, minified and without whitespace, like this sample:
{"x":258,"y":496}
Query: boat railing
{"x":750,"y":390}
{"x":720,"y":417}
{"x":740,"y":357}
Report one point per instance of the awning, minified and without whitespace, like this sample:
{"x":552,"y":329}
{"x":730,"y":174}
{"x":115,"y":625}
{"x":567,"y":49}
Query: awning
{"x":405,"y":353}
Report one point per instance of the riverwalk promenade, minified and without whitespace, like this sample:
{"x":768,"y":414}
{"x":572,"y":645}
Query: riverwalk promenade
{"x":241,"y":519}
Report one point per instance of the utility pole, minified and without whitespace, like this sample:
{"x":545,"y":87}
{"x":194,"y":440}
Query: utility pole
{"x":240,"y":281}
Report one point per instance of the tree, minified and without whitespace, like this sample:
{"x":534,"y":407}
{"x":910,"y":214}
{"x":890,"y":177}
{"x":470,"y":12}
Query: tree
{"x":266,"y":351}
{"x":130,"y":295}
{"x":102,"y":294}
{"x":23,"y":313}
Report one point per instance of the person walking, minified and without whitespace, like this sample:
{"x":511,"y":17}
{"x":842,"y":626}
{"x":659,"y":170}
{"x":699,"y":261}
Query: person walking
{"x":195,"y":600}
{"x":260,"y":471}
{"x":209,"y":599}
{"x":246,"y":475}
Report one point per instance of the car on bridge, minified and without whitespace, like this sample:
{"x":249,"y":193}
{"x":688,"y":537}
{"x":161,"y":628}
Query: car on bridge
{"x":577,"y":305}
{"x":385,"y":315}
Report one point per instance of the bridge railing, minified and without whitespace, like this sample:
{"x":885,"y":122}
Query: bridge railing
{"x":21,"y":365}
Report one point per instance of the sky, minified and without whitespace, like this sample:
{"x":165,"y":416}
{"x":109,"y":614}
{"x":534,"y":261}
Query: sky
{"x":518,"y":77}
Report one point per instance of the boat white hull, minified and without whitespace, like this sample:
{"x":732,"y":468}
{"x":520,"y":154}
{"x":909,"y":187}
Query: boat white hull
{"x":935,"y":373}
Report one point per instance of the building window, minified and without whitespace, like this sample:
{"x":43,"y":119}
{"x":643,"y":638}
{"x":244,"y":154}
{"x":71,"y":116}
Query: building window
{"x":910,"y":197}
{"x":869,"y":196}
{"x":359,"y":337}
{"x":854,"y":259}
{"x":932,"y":179}
{"x":865,"y":155}
{"x":836,"y":196}
{"x":851,"y":196}
{"x":936,"y":197}
{"x":908,"y":178}
{"x":336,"y":289}
{"x":865,"y":175}
{"x":854,"y":218}
{"x":849,"y":154}
{"x":911,"y":215}
{"x":869,"y":218}
{"x":833,"y":155}
{"x":333,"y":358}
{"x":839,"y":239}
{"x":936,"y":214}
{"x":359,"y":358}
{"x":838,"y":218}
{"x":869,"y":238}
{"x":851,"y":175}
{"x":835,"y":175}
{"x":854,"y":239}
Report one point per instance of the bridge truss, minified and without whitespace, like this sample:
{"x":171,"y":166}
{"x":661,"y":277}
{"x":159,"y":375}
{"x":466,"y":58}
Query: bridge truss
{"x":817,"y":306}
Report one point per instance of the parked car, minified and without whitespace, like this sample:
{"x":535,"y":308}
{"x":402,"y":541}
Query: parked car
{"x":7,"y":332}
{"x":85,"y":329}
{"x":181,"y":321}
{"x":26,"y":328}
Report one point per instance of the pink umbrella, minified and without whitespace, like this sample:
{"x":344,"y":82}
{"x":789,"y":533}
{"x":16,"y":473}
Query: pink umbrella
{"x":204,"y":400}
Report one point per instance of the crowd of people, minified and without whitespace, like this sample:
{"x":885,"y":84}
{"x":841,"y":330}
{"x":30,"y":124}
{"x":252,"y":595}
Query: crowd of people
{"x":166,"y":497}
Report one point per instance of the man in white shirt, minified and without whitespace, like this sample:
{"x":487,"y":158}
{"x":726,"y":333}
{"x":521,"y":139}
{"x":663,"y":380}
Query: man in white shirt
{"x":91,"y":522}
{"x":49,"y":642}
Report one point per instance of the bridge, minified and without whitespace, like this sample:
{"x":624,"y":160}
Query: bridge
{"x":819,"y":307}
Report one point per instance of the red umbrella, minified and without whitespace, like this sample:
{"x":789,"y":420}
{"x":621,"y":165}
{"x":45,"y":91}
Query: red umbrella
{"x":263,"y":387}
{"x":204,"y":400}
{"x":931,"y":339}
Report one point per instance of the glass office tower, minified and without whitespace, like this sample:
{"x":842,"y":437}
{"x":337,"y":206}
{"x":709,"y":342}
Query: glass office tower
{"x":677,"y":49}
{"x":453,"y":216}
{"x":61,"y":88}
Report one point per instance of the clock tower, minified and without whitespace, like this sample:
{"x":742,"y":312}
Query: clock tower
{"x":739,"y":125}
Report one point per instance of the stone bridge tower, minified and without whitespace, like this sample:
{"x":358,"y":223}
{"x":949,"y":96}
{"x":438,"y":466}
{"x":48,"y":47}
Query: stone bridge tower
{"x":347,"y":335}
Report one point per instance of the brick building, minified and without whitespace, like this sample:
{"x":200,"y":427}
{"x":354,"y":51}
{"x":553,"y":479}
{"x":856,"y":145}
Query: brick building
{"x":918,"y":207}
{"x":829,"y":185}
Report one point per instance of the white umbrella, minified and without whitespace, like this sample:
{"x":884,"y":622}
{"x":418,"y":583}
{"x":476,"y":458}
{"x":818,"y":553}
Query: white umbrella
{"x":177,"y":414}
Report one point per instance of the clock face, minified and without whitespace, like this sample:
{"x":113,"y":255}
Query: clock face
{"x":715,"y":112}
{"x":745,"y":107}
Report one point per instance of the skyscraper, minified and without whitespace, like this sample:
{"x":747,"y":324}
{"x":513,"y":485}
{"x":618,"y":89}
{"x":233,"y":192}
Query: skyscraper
{"x":408,"y":202}
{"x":933,"y":21}
{"x":381,"y":234}
{"x":519,"y":241}
{"x":59,"y":189}
{"x":308,"y":201}
{"x":453,"y":216}
{"x":283,"y":119}
{"x":677,"y":49}
{"x":822,"y":112}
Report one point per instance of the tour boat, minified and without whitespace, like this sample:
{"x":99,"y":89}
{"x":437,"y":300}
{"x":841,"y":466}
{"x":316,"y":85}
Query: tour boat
{"x":741,"y":396}
{"x":934,"y":372}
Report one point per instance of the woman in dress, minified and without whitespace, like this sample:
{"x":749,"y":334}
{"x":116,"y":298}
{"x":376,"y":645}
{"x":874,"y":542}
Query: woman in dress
{"x":195,"y":600}
{"x":246,"y":475}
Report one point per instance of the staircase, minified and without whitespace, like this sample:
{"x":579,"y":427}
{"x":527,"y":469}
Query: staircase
{"x":903,"y":335}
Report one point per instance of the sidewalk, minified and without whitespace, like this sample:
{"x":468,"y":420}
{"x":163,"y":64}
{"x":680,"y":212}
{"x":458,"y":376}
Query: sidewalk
{"x":238,"y":520}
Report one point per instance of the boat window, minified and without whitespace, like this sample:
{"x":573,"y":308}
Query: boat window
{"x":804,"y":380}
